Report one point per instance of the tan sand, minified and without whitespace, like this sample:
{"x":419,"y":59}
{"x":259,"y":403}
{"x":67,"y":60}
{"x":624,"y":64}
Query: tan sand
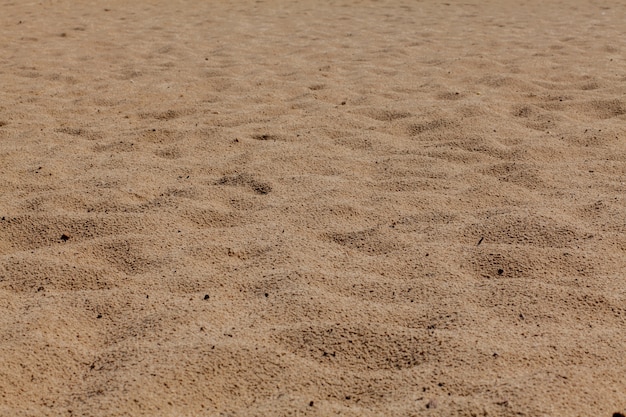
{"x":353,"y":208}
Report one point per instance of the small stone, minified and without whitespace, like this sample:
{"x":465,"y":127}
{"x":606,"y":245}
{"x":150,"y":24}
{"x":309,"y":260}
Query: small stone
{"x":206,"y":296}
{"x":311,"y":404}
{"x":65,"y":237}
{"x":500,"y":271}
{"x":99,"y":316}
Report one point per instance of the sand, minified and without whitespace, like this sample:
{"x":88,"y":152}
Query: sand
{"x":354,"y":208}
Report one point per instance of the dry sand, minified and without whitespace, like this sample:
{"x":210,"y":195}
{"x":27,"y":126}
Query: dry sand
{"x":349,"y":208}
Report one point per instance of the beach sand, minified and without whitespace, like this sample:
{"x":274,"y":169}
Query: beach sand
{"x":356,"y":208}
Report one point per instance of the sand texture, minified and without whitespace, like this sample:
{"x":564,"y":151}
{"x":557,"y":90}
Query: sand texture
{"x":355,"y":208}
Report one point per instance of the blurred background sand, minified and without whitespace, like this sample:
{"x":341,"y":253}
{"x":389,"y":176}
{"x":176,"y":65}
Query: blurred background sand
{"x":350,"y":208}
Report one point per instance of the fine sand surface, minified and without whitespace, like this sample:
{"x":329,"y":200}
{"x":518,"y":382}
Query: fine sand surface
{"x":357,"y":208}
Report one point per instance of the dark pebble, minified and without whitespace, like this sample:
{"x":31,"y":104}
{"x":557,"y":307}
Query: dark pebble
{"x":206,"y":296}
{"x":500,"y":271}
{"x":618,"y":414}
{"x":431,"y":404}
{"x":311,"y":404}
{"x":99,"y":316}
{"x":65,"y":237}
